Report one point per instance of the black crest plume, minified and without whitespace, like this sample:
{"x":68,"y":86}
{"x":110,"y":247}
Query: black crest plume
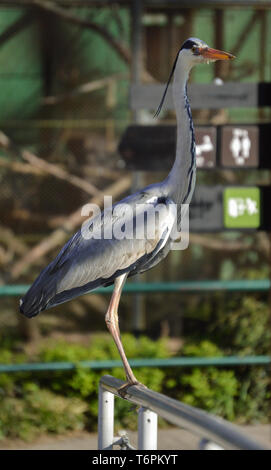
{"x":167,"y":85}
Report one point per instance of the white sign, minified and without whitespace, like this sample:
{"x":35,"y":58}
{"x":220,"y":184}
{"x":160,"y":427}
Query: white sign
{"x":238,"y":206}
{"x":205,"y":147}
{"x":240,"y":146}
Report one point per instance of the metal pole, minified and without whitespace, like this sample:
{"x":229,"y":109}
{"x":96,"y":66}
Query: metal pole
{"x":197,"y":421}
{"x":205,"y":444}
{"x":147,"y":429}
{"x":105,"y":419}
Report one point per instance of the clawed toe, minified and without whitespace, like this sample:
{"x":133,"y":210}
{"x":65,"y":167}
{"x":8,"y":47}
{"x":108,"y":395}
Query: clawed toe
{"x":123,"y":389}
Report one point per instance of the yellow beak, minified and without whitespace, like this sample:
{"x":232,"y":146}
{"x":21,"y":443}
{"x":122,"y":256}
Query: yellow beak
{"x":214,"y":54}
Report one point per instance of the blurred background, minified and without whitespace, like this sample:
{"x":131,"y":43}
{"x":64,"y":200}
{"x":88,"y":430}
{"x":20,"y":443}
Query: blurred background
{"x":66,"y":68}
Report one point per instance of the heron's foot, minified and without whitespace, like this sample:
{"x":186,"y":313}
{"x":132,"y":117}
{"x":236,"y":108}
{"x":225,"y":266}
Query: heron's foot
{"x":123,"y":389}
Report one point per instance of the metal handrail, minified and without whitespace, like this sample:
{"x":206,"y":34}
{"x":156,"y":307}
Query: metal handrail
{"x":192,"y":419}
{"x":245,"y":285}
{"x":138,"y":362}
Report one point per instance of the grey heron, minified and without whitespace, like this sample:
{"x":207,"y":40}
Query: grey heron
{"x":85,"y":263}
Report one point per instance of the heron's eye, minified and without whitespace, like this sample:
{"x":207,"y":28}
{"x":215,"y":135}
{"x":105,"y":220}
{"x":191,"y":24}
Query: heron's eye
{"x":195,"y":50}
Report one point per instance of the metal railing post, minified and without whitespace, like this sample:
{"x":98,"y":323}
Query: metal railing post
{"x":213,"y":429}
{"x":205,"y":444}
{"x":105,"y":419}
{"x":147,"y":429}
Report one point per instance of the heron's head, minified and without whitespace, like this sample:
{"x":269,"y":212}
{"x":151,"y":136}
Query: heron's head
{"x":194,"y":51}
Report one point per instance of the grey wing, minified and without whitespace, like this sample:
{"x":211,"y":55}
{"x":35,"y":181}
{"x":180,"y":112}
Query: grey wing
{"x":89,"y":259}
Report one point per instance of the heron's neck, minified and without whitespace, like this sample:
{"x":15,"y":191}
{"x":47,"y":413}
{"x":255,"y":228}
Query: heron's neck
{"x":181,"y":179}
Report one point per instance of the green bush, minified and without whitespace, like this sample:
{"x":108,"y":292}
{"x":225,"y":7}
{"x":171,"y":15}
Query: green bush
{"x":55,"y":402}
{"x":240,"y":325}
{"x":36,"y":397}
{"x":84,"y":382}
{"x":245,"y":330}
{"x":39,"y":411}
{"x":210,"y":388}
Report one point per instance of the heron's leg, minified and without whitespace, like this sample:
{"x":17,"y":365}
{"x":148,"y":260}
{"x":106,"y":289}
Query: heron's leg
{"x":112,"y":323}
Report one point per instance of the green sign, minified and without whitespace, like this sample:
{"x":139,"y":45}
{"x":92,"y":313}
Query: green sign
{"x":242,"y":207}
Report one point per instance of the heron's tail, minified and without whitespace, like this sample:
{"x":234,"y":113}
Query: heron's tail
{"x":37,"y":298}
{"x":40,"y":298}
{"x":28,"y":309}
{"x":44,"y":288}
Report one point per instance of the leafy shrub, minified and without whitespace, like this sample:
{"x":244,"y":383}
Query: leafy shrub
{"x":39,"y":411}
{"x":210,"y":388}
{"x":58,"y":401}
{"x":253,"y":400}
{"x":31,"y":398}
{"x":240,"y":325}
{"x":245,"y":330}
{"x":84,"y":382}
